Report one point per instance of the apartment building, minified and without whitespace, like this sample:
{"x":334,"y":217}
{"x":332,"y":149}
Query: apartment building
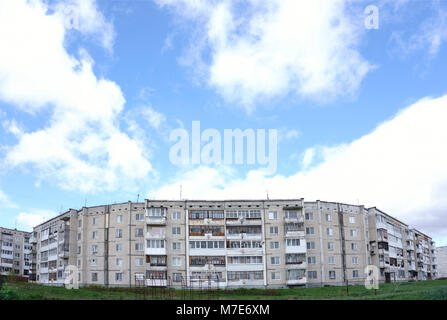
{"x":105,"y":244}
{"x":231,"y":243}
{"x":441,"y":256}
{"x":16,"y":252}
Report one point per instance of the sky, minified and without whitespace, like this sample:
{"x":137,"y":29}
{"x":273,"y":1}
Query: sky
{"x":94,"y":93}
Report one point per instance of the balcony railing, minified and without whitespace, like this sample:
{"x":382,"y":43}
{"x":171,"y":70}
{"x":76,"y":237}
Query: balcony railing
{"x":156,"y":220}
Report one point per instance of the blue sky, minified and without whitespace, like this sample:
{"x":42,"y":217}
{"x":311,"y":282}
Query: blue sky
{"x":91,"y":90}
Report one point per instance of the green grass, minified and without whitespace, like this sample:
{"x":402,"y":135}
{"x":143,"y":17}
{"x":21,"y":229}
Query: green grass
{"x":432,"y":290}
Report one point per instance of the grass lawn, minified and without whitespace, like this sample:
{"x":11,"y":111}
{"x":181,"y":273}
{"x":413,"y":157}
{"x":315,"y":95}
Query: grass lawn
{"x":434,"y":289}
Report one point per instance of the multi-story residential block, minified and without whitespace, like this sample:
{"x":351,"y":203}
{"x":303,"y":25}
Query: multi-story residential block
{"x":441,"y":256}
{"x":16,"y":252}
{"x":105,"y":244}
{"x":231,"y":243}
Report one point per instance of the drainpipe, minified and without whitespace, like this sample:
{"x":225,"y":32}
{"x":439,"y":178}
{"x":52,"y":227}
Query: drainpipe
{"x":265,"y":243}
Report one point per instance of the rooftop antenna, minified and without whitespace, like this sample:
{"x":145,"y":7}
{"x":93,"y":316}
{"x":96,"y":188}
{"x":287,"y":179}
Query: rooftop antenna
{"x":267,"y":194}
{"x":138,"y":197}
{"x":180,"y":192}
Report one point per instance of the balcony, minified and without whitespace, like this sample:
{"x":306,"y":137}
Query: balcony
{"x":156,"y":235}
{"x":294,"y":233}
{"x":64,"y":254}
{"x":293,"y":219}
{"x":155,"y":251}
{"x":244,"y":222}
{"x":244,"y":236}
{"x":6,"y":265}
{"x":296,"y":282}
{"x":52,"y":257}
{"x":156,"y":282}
{"x":156,"y":220}
{"x":32,"y":240}
{"x":239,"y":251}
{"x":7,"y":256}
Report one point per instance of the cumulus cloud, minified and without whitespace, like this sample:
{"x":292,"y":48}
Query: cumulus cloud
{"x":5,"y":201}
{"x":81,"y":147}
{"x":262,"y":49}
{"x":85,"y":17}
{"x":398,"y":167}
{"x":27,"y":220}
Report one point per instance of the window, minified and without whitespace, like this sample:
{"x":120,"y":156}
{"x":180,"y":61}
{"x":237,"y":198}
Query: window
{"x":119,"y":247}
{"x":94,"y":277}
{"x":139,"y":247}
{"x":95,"y":221}
{"x":293,"y":242}
{"x":274,"y":230}
{"x":355,"y":273}
{"x":94,"y":262}
{"x":176,"y":230}
{"x":139,"y":262}
{"x":95,"y":249}
{"x":139,"y":217}
{"x":354,"y":246}
{"x":310,"y":230}
{"x":119,"y":262}
{"x":95,"y":235}
{"x":352,"y":220}
{"x":176,"y":216}
{"x":332,"y":275}
{"x":119,"y":219}
{"x":156,"y":244}
{"x":119,"y":276}
{"x":353,"y":233}
{"x":311,"y":260}
{"x":328,"y":217}
{"x":274,"y":245}
{"x":310,"y":245}
{"x":331,"y":260}
{"x":79,"y":236}
{"x":245,"y":260}
{"x":177,"y":277}
{"x":176,"y":261}
{"x":79,"y":250}
{"x":355,"y":260}
{"x":309,"y":216}
{"x":273,"y":215}
{"x":176,"y":246}
{"x":119,"y":233}
{"x":329,"y":231}
{"x":139,"y":232}
{"x":330,"y":246}
{"x":79,"y":223}
{"x":312,"y":274}
{"x":275,"y":275}
{"x":274,"y":260}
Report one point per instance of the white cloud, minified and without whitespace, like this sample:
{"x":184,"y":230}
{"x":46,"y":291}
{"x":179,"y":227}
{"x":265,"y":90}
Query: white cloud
{"x":153,"y":117}
{"x":81,"y":147}
{"x":5,"y":201}
{"x":433,"y":33}
{"x":27,"y":220}
{"x":271,"y":48}
{"x":85,"y":17}
{"x":399,"y":167}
